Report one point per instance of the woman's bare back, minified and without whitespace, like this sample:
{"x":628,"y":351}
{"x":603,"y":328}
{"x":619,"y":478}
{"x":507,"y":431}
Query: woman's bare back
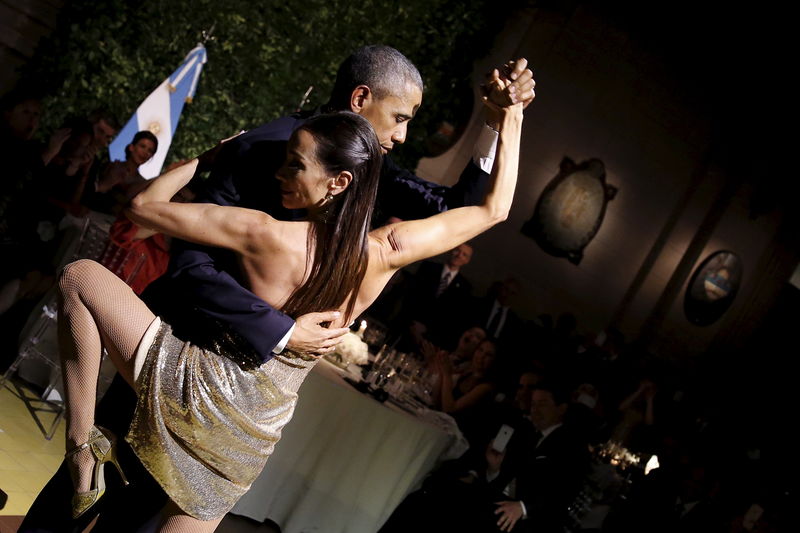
{"x":280,"y":265}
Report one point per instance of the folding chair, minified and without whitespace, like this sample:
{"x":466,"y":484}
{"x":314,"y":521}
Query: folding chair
{"x":39,"y":342}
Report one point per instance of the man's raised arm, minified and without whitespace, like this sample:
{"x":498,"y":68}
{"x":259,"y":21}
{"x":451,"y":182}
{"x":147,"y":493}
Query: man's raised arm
{"x":404,"y":195}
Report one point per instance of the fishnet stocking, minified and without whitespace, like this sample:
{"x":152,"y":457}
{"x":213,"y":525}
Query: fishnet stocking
{"x":97,"y":310}
{"x":176,"y":521}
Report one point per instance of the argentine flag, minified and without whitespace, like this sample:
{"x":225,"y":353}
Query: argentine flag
{"x":159,"y":113}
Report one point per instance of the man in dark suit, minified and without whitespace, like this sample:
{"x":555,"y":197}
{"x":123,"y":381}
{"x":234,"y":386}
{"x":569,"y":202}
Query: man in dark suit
{"x":436,"y":301}
{"x":494,"y":314}
{"x":553,"y":467}
{"x":201,"y":291}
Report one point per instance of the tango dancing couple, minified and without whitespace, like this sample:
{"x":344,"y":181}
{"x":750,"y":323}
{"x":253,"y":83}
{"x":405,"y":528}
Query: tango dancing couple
{"x":209,"y":408}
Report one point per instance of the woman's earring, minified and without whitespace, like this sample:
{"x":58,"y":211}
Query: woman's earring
{"x":328,"y":197}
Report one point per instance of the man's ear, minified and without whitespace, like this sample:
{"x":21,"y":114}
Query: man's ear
{"x":359,"y":98}
{"x":339,"y":183}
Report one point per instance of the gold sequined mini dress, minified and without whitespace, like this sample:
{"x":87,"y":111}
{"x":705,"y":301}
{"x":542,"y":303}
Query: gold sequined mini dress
{"x":206,"y":422}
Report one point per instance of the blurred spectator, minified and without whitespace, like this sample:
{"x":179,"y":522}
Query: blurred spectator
{"x":104,"y":128}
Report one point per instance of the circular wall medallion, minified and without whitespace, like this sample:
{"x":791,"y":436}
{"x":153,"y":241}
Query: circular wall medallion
{"x":712,"y":288}
{"x":571,"y":209}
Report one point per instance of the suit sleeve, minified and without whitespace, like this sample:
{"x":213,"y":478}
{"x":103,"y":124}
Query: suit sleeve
{"x":404,"y":195}
{"x":199,"y":274}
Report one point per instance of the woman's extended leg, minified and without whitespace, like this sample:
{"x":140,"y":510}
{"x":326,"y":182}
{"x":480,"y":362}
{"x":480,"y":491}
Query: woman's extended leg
{"x":97,"y":309}
{"x":173,"y":520}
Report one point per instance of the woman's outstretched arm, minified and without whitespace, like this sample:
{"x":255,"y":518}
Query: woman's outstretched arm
{"x":234,"y":228}
{"x":410,"y":241}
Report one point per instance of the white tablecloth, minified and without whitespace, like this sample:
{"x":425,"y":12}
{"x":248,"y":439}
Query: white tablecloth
{"x":344,"y":462}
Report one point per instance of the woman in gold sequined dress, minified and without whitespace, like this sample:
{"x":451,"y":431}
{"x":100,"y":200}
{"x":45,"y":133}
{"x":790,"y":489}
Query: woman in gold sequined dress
{"x":206,"y":421}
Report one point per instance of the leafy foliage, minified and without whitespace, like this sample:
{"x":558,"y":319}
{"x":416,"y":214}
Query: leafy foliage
{"x":261,"y":59}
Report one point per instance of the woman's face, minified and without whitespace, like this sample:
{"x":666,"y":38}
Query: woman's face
{"x":484,"y":356}
{"x":141,"y":151}
{"x":470,"y":339}
{"x":303,"y":180}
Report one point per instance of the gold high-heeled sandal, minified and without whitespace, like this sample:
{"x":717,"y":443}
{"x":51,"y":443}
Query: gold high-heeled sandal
{"x":104,"y":447}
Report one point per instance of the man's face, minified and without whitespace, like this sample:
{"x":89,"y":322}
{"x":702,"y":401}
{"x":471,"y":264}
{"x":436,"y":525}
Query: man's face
{"x":103,"y":133}
{"x":525,"y":387}
{"x":544,"y":410}
{"x":23,"y":119}
{"x":390,"y":115}
{"x":460,"y":256}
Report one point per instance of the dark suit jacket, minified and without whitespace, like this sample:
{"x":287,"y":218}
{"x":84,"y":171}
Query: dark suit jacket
{"x":444,"y":315}
{"x":512,"y":327}
{"x":550,"y":479}
{"x":207,"y":281}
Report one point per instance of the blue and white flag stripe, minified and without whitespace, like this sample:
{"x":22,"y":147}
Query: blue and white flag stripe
{"x":160,"y":111}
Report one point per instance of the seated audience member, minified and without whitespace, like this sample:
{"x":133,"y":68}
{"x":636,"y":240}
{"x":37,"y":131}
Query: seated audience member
{"x":461,"y":356}
{"x":120,"y":181}
{"x":460,"y":496}
{"x":468,"y":396}
{"x":538,"y":471}
{"x":104,"y":128}
{"x":554,"y":464}
{"x":512,"y":411}
{"x":437,"y":298}
{"x":472,"y":386}
{"x":64,"y":180}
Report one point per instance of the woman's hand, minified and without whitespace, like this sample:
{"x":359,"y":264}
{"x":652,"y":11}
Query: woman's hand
{"x":443,"y":363}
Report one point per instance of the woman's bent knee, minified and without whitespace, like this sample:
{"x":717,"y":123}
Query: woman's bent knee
{"x":79,"y":273}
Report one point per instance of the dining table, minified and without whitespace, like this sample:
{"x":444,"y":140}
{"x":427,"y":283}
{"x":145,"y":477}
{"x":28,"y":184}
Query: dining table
{"x":346,"y":460}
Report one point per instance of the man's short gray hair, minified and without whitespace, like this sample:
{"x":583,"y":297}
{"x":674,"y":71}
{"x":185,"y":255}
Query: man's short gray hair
{"x":383,"y":69}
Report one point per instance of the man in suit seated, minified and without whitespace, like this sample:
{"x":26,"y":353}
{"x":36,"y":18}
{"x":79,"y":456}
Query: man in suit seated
{"x":462,"y":494}
{"x":549,"y":476}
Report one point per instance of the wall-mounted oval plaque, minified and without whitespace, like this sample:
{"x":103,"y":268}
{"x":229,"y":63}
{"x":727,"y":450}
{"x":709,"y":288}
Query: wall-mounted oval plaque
{"x":712,"y":288}
{"x":571,"y":209}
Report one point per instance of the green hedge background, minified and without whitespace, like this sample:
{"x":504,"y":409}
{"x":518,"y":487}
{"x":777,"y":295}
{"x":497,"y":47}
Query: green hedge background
{"x":261,"y":59}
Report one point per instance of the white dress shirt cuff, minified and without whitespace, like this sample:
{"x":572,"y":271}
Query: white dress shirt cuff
{"x":284,"y":341}
{"x":485,"y":148}
{"x":524,"y":510}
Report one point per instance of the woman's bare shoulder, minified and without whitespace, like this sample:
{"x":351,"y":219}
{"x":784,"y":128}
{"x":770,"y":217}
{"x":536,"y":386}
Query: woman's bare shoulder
{"x":269,"y":235}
